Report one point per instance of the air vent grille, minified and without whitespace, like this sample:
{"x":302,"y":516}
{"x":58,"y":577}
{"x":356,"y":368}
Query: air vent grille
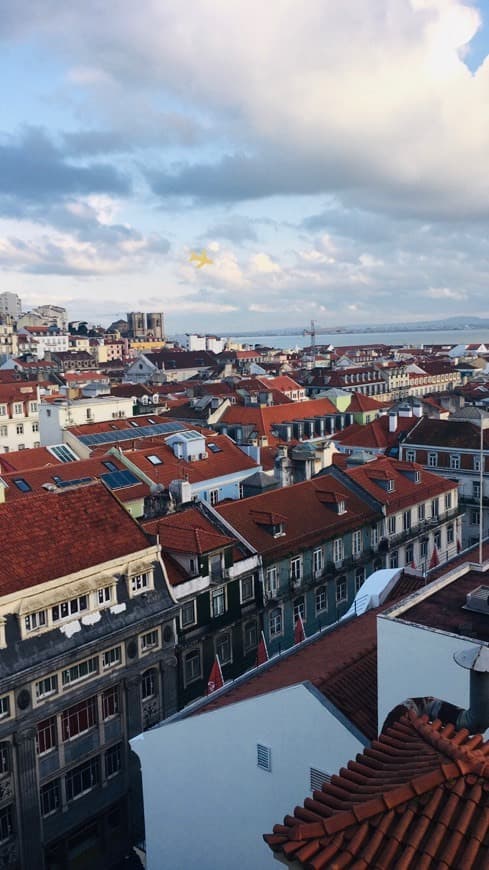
{"x":318,"y":778}
{"x":478,"y":600}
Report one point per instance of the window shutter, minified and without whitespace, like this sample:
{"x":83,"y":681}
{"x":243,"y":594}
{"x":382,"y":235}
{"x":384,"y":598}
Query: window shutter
{"x":264,"y":757}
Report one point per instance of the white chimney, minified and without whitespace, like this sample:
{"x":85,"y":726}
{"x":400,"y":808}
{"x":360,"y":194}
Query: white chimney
{"x":392,"y":421}
{"x":417,"y":409}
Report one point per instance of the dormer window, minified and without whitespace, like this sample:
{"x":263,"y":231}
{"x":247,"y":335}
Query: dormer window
{"x":341,"y":507}
{"x":391,"y":485}
{"x":277,"y":530}
{"x":417,"y":476}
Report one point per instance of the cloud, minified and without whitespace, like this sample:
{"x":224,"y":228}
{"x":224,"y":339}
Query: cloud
{"x":446,"y":293}
{"x":34,"y":170}
{"x":236,"y":228}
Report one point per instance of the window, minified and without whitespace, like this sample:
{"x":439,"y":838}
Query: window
{"x":477,"y":463}
{"x":150,"y":640}
{"x":340,"y":589}
{"x":317,"y":561}
{"x":455,"y":461}
{"x":67,"y":609}
{"x":424,"y":549}
{"x":296,"y":569}
{"x":338,"y":550}
{"x":341,"y":507}
{"x":140,"y":582}
{"x":475,"y":517}
{"x":410,"y":456}
{"x":271,"y":580}
{"x":409,"y":554}
{"x":437,"y":539}
{"x":391,"y":485}
{"x":104,"y":595}
{"x":417,"y":476}
{"x":421,"y":512}
{"x":79,"y":671}
{"x":276,"y":622}
{"x":110,"y":702}
{"x":435,"y":507}
{"x":46,"y":687}
{"x":3,"y":431}
{"x":264,"y":757}
{"x":35,"y":427}
{"x":79,"y":718}
{"x":321,"y":599}
{"x":356,"y":543}
{"x":432,"y":460}
{"x":82,"y":779}
{"x":213,"y":496}
{"x":47,"y":735}
{"x":450,"y":534}
{"x":6,"y":823}
{"x":18,"y":408}
{"x":247,"y":589}
{"x":155,"y":460}
{"x":223,"y":648}
{"x":3,"y":410}
{"x":394,"y":559}
{"x":148,"y":684}
{"x":110,"y":466}
{"x":19,"y":428}
{"x":448,"y":501}
{"x":359,"y":578}
{"x":374,"y":536}
{"x":22,"y":484}
{"x":50,"y":798}
{"x":192,"y":666}
{"x":4,"y":758}
{"x":476,"y":489}
{"x":250,"y":638}
{"x":33,"y":621}
{"x":113,"y":760}
{"x":391,"y":525}
{"x":4,"y":707}
{"x":111,"y":657}
{"x":187,"y":614}
{"x":218,"y":602}
{"x":299,"y":609}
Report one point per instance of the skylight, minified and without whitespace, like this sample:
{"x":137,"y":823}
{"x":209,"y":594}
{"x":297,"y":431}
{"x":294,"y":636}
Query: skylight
{"x":22,"y":484}
{"x":155,"y":460}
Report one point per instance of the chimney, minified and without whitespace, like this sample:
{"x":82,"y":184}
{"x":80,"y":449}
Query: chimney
{"x":417,"y":409}
{"x":392,"y":421}
{"x":475,"y":660}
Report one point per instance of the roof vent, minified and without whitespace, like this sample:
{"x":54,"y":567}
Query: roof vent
{"x":478,"y":600}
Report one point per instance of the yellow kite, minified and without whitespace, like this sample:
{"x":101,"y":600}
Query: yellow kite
{"x":200,"y":260}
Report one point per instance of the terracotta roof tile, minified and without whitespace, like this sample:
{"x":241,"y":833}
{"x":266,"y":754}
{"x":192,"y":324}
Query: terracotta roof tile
{"x":53,"y":534}
{"x":437,"y":817}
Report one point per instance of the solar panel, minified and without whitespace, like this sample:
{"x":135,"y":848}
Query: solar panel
{"x":63,"y":452}
{"x":129,"y":434}
{"x":117,"y":479}
{"x":77,"y":481}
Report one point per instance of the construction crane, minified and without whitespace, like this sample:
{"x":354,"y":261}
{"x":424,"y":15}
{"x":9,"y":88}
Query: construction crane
{"x":312,"y":332}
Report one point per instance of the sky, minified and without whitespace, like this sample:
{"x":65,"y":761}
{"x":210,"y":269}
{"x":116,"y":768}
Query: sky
{"x":331,"y":159}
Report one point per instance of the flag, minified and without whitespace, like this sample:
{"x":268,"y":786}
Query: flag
{"x":261,"y":652}
{"x":215,"y":681}
{"x":459,"y":545}
{"x":299,"y":633}
{"x":434,"y":561}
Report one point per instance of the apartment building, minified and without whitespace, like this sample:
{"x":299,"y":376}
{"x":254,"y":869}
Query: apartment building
{"x":87,"y":638}
{"x":19,"y":416}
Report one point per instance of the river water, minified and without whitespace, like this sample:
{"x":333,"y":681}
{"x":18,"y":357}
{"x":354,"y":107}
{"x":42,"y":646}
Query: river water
{"x":342,"y":339}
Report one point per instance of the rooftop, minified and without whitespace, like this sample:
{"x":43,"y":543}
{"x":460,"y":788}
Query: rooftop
{"x":417,"y":798}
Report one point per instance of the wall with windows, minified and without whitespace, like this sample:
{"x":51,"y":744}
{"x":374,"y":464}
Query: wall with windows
{"x":297,"y":727}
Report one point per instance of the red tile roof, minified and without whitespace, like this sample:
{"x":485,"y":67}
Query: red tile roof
{"x":418,"y":798}
{"x":375,"y":434}
{"x":93,"y":467}
{"x":308,"y":511}
{"x":187,"y":532}
{"x":361,"y":404}
{"x":263,"y":419}
{"x":53,"y":534}
{"x":406,"y":492}
{"x":22,"y":460}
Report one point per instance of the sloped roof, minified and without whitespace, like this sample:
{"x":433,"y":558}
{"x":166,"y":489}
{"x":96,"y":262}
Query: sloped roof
{"x":375,"y":434}
{"x":417,"y":798}
{"x":264,"y":418}
{"x":187,"y":532}
{"x":406,"y":491}
{"x":53,"y":534}
{"x":360,"y":404}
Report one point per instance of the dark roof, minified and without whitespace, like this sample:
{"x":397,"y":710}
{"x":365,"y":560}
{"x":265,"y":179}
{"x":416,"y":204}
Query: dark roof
{"x":418,"y":798}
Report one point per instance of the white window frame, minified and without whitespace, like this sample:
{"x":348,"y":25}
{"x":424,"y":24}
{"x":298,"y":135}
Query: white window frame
{"x":194,"y":677}
{"x":338,"y":551}
{"x":317,"y":561}
{"x":218,"y":595}
{"x":271,"y":580}
{"x":321,"y":593}
{"x":295,"y":569}
{"x":46,"y":687}
{"x":277,"y":621}
{"x":141,"y":582}
{"x":220,"y":638}
{"x":111,"y":658}
{"x":92,"y":664}
{"x":356,"y":542}
{"x":432,"y":460}
{"x":392,"y":524}
{"x":149,"y":641}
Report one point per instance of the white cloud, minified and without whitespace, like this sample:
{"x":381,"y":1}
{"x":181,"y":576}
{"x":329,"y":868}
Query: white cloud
{"x":446,"y":293}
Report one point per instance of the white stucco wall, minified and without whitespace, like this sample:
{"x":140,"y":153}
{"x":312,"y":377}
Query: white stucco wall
{"x":207,"y":803}
{"x":414,"y":661}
